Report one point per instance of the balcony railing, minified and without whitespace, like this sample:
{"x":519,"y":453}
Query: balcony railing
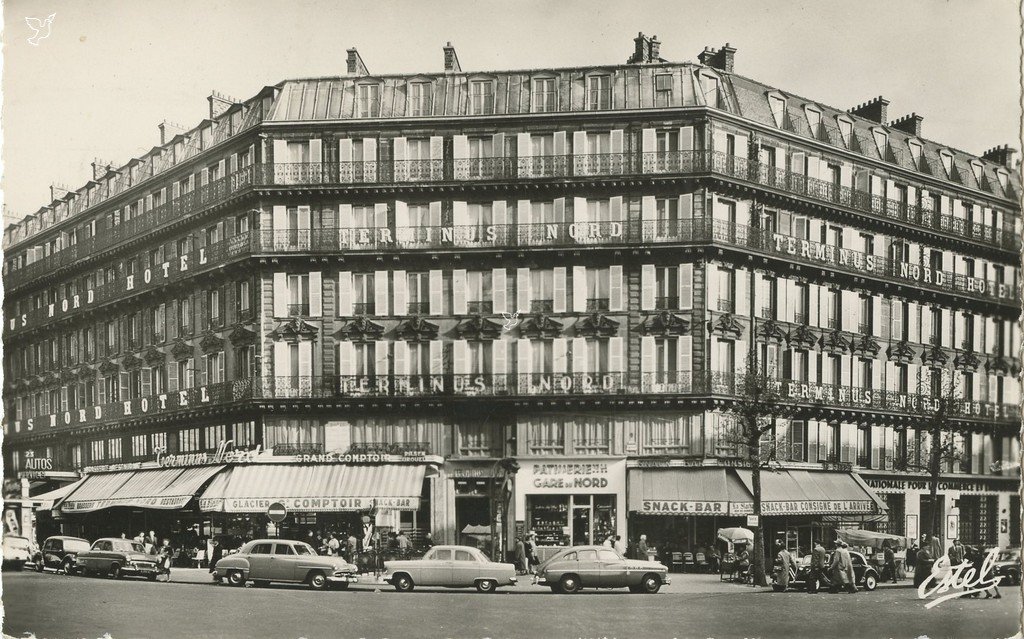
{"x":298,"y":310}
{"x":412,"y":171}
{"x":667,"y":303}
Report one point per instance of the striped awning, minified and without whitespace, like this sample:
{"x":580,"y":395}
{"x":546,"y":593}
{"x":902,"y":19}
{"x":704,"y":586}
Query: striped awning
{"x":162,"y":488}
{"x":805,"y":492}
{"x":315,"y":488}
{"x":45,"y":501}
{"x":704,"y":492}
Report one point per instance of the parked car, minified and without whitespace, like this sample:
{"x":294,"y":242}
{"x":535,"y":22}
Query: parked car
{"x":865,"y":574}
{"x":17,"y":552}
{"x":60,"y":554}
{"x":116,"y":558}
{"x":578,"y":567}
{"x":1008,"y":566}
{"x":265,"y":560}
{"x":451,"y":567}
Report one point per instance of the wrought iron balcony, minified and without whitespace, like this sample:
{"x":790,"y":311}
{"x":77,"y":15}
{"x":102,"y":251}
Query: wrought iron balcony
{"x":596,"y":304}
{"x":477,"y":307}
{"x":298,"y":310}
{"x":666,"y":303}
{"x":578,"y":165}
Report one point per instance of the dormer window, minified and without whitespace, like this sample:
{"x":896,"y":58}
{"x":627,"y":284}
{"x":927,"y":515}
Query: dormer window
{"x":481,"y":96}
{"x":947,"y":162}
{"x":710,"y":87}
{"x":419,"y":99}
{"x":778,"y":106}
{"x":915,"y":151}
{"x":813,"y":121}
{"x":1003,"y":177}
{"x":545,"y":95}
{"x":881,"y":141}
{"x":662,"y":89}
{"x":845,"y":130}
{"x":368,"y":102}
{"x":599,"y":92}
{"x":977,"y":169}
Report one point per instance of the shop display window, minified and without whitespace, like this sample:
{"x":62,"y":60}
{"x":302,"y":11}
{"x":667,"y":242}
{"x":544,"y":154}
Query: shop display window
{"x":568,"y":520}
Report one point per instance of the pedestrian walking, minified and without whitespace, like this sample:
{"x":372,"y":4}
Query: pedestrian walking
{"x":911,"y":560}
{"x":608,"y":542}
{"x":842,"y":569}
{"x":889,"y":559}
{"x":352,"y":544}
{"x":216,"y":552}
{"x":923,"y":565}
{"x":641,"y":548}
{"x":403,"y":543}
{"x":333,"y":545}
{"x":164,"y":556}
{"x":783,"y":560}
{"x":520,"y":556}
{"x":818,"y":558}
{"x":531,"y":550}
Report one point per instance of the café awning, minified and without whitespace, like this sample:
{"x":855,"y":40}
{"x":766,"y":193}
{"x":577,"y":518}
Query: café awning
{"x":691,"y":491}
{"x":161,"y":488}
{"x":45,"y":501}
{"x":806,"y":492}
{"x":315,"y":488}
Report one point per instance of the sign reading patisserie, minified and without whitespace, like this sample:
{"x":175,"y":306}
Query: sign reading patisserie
{"x":572,"y":477}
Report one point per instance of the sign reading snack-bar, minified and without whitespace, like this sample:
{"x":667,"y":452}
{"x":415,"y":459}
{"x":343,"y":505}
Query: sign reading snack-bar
{"x":669,"y":507}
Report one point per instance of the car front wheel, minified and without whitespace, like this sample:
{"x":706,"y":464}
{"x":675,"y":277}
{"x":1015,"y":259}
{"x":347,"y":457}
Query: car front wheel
{"x":66,"y":568}
{"x":39,"y":566}
{"x":569,"y":584}
{"x":870,"y":582}
{"x":317,"y":581}
{"x":115,"y":571}
{"x":236,"y":578}
{"x":486,"y":586}
{"x":651,"y":584}
{"x":403,"y":583}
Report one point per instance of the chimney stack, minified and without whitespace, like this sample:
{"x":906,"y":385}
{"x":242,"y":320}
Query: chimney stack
{"x":1003,"y":155}
{"x":874,"y":110}
{"x":219,"y":103}
{"x":909,"y":124}
{"x":654,"y":46}
{"x":57,"y":191}
{"x":355,"y":63}
{"x":451,"y":60}
{"x":722,"y":59}
{"x":645,"y":50}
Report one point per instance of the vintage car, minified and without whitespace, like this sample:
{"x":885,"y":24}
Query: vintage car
{"x":450,"y":567}
{"x":1007,"y":566}
{"x":865,"y":574}
{"x":17,"y":552}
{"x":116,"y":558}
{"x":60,"y":554}
{"x":579,"y":567}
{"x":265,"y":560}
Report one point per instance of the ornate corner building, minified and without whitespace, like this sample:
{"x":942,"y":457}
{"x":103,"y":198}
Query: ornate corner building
{"x":397,"y":282}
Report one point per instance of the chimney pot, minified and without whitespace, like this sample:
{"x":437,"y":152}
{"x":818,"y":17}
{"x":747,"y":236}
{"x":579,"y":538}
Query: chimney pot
{"x":1003,"y":155}
{"x":722,"y":59}
{"x":451,"y":60}
{"x":355,"y":63}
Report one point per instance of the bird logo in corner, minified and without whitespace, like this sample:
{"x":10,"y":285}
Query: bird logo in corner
{"x":41,"y":28}
{"x":511,"y":319}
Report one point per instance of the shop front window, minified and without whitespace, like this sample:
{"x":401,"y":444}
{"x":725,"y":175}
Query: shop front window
{"x":571,"y":520}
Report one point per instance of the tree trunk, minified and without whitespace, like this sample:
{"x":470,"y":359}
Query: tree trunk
{"x":755,"y":482}
{"x":934,"y":468}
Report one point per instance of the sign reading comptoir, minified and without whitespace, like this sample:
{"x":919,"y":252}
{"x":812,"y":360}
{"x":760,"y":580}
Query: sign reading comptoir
{"x":307,"y":504}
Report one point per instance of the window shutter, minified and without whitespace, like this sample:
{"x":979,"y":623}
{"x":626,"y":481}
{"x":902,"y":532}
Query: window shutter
{"x":499,"y":360}
{"x":891,"y":379}
{"x":579,"y":216}
{"x":460,"y":357}
{"x":459,"y":306}
{"x":851,"y":310}
{"x":399,"y":155}
{"x":579,"y":289}
{"x":946,"y":339}
{"x":436,"y":156}
{"x":369,"y":159}
{"x":647,"y":217}
{"x":460,"y":216}
{"x":648,"y":144}
{"x":436,"y":357}
{"x":172,"y":325}
{"x":282,"y":360}
{"x":913,"y":322}
{"x":879,"y":324}
{"x":525,"y":151}
{"x":316,"y":307}
{"x":523,"y":364}
{"x":926,"y":324}
{"x":979,"y":323}
{"x":616,"y":358}
{"x":686,"y":139}
{"x":435,"y":212}
{"x":647,"y":283}
{"x":560,"y":355}
{"x":647,"y":364}
{"x":280,"y":218}
{"x":615,"y":288}
{"x":524,"y":217}
{"x":280,"y":295}
{"x":685,"y":275}
{"x":402,"y":363}
{"x":960,"y":328}
{"x":346,"y":359}
{"x":740,"y":356}
{"x":579,"y":151}
{"x":306,"y":359}
{"x":460,"y":153}
{"x":523,"y":290}
{"x":742,"y":292}
{"x":172,"y":377}
{"x":380,"y":293}
{"x":345,"y":302}
{"x":579,"y":356}
{"x":684,"y":362}
{"x":380,"y":216}
{"x":499,"y":286}
{"x":436,"y":292}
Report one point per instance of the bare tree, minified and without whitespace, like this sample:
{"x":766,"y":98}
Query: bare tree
{"x":758,"y":403}
{"x":943,"y":449}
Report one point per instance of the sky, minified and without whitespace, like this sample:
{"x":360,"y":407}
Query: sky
{"x":111,"y":71}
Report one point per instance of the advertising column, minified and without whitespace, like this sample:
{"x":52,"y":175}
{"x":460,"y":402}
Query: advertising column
{"x":571,"y":502}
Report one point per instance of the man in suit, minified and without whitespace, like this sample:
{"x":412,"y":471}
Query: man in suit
{"x":842,"y":569}
{"x":817,"y":567}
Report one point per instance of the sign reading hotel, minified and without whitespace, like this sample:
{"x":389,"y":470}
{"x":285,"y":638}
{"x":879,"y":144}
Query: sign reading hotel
{"x":307,"y":504}
{"x":816,"y":251}
{"x":150,"y":276}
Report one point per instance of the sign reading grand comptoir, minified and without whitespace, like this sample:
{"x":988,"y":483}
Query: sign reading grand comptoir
{"x":561,"y":477}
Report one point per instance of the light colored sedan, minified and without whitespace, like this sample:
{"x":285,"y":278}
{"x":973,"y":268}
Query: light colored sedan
{"x":265,"y":560}
{"x":450,"y":567}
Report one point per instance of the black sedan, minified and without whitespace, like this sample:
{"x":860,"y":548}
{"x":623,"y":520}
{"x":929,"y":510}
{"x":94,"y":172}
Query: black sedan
{"x":865,"y":574}
{"x":1008,"y":566}
{"x":59,"y":553}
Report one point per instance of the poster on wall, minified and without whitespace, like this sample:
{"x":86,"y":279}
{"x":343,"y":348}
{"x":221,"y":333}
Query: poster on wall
{"x":911,"y":527}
